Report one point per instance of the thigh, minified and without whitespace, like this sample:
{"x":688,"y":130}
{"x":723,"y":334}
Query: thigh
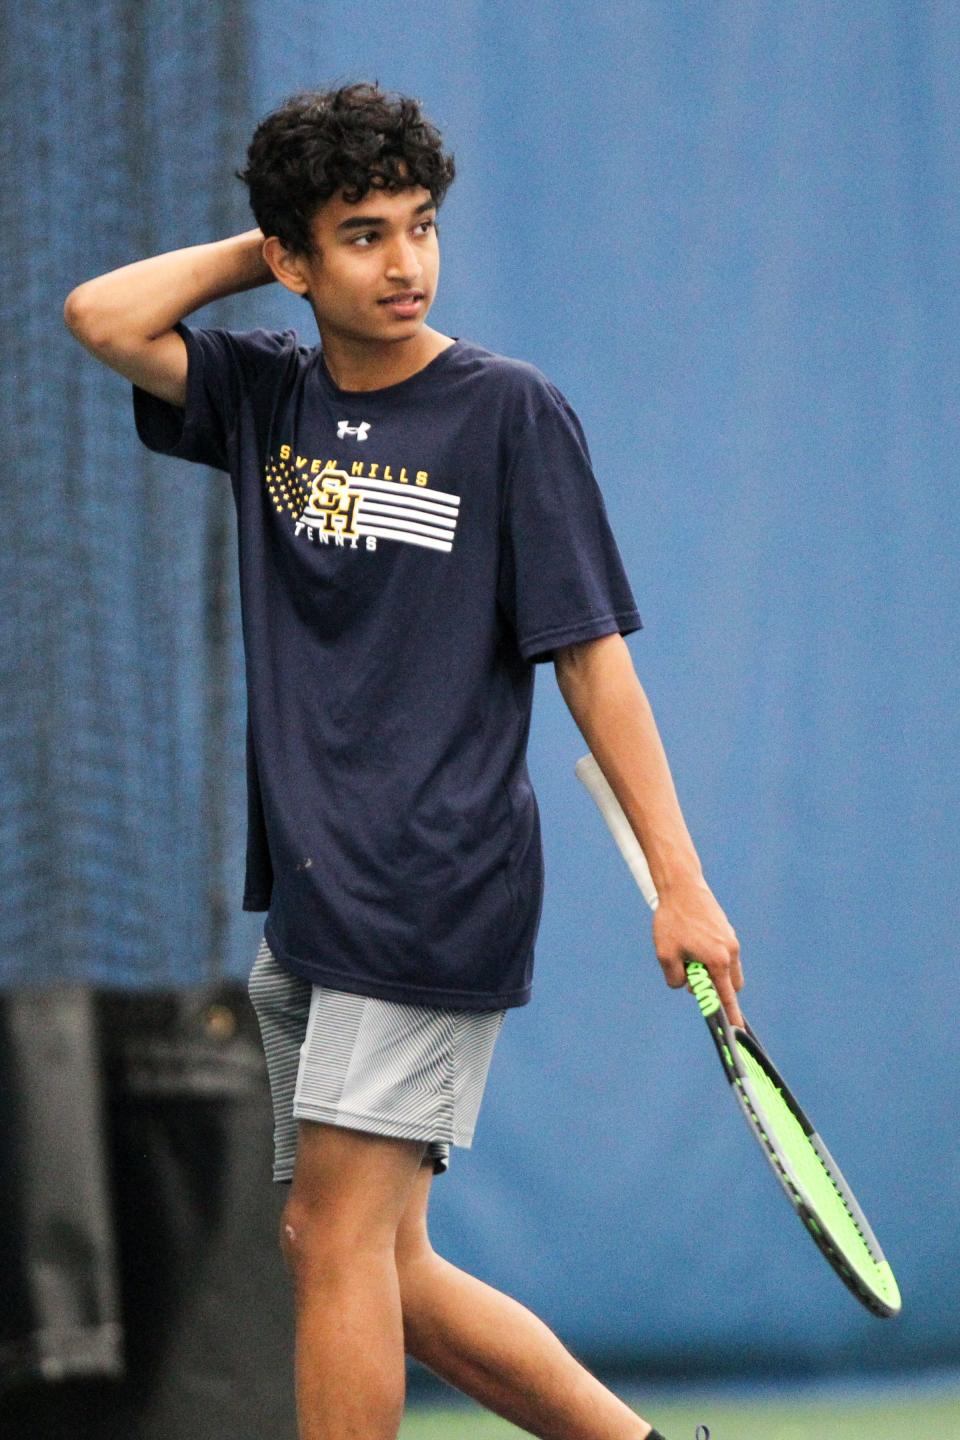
{"x":354,"y":1183}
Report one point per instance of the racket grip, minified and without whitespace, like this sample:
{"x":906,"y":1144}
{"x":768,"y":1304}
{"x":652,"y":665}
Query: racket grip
{"x":588,"y":772}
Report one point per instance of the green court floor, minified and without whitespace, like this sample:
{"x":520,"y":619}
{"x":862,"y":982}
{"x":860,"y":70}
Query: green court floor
{"x":890,"y":1416}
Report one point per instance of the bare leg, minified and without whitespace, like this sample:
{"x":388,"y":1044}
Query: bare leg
{"x":338,"y":1234}
{"x":494,"y":1349}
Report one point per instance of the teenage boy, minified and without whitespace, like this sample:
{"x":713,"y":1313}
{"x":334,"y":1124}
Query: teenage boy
{"x":419,"y":525}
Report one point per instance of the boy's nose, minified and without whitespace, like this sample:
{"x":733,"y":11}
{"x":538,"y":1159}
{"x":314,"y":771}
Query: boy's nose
{"x":402,"y":261}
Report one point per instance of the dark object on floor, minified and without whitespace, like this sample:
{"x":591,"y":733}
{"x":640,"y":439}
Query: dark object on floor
{"x":144,"y":1293}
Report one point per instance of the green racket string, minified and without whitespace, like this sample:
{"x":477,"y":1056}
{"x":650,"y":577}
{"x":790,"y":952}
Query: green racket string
{"x":815,"y":1180}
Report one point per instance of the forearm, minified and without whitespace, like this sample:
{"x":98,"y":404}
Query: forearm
{"x":601,"y":689}
{"x":147,"y":298}
{"x":600,"y":686}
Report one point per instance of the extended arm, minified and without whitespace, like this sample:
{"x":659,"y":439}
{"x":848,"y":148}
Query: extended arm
{"x":125,"y":317}
{"x":605,"y":698}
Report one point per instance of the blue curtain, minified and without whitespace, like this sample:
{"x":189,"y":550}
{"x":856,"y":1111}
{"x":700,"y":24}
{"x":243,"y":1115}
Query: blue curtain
{"x":729,"y":233}
{"x":122,"y":717}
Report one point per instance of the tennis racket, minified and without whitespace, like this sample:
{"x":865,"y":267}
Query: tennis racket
{"x":801,"y":1162}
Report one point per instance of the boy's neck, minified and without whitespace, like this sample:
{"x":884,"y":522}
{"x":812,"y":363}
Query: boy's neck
{"x":353,"y":365}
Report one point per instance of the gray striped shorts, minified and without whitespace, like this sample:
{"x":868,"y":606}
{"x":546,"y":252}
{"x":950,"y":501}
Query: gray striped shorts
{"x":411,"y":1071}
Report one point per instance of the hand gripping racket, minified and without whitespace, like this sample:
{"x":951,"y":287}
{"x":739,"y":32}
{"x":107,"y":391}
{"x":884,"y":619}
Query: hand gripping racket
{"x":801,"y":1162}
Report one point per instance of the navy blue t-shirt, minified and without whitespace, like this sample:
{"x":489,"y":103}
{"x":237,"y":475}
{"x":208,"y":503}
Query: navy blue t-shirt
{"x":406,"y":555}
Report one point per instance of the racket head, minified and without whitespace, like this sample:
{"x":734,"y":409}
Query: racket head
{"x":807,"y":1172}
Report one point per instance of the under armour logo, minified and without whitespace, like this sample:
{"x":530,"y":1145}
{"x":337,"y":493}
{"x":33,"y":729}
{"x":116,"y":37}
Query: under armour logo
{"x":345,"y":428}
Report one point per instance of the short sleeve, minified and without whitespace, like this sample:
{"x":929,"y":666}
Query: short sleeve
{"x":223,"y":368}
{"x":562,"y":580}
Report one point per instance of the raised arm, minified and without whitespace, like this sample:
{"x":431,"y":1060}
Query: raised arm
{"x":604,"y":696}
{"x":124,"y":318}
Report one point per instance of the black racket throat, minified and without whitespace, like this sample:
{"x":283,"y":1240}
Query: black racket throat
{"x":727,"y":1037}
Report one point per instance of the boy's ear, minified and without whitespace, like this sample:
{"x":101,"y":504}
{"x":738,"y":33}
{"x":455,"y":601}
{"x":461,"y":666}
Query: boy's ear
{"x":287,"y":266}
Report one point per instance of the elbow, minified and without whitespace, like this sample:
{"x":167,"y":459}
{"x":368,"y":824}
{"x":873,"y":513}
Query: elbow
{"x":81,"y":320}
{"x":73,"y":310}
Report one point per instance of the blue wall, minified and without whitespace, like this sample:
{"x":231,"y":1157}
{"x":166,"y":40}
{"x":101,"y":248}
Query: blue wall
{"x":729,"y":233}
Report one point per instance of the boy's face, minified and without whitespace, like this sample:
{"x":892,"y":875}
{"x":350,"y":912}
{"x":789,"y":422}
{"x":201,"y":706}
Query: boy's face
{"x":374,"y":272}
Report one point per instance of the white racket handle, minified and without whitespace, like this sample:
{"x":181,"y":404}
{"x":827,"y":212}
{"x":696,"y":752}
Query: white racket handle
{"x":588,"y":771}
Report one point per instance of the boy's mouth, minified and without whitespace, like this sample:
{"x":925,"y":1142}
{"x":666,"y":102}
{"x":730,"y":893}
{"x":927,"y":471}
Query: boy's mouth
{"x":406,"y":303}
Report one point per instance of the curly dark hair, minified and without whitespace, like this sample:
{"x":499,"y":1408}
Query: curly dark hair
{"x":355,"y":139}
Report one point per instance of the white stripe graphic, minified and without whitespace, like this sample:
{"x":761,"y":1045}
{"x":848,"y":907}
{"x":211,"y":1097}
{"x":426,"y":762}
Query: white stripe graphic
{"x":399,"y":511}
{"x":426,"y":541}
{"x":360,"y":482}
{"x":391,"y":524}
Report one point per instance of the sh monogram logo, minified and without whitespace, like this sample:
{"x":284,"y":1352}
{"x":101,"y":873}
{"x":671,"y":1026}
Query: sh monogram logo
{"x":361,"y":431}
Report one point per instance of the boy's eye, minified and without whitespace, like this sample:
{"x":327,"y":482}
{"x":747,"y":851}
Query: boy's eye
{"x":374,"y":234}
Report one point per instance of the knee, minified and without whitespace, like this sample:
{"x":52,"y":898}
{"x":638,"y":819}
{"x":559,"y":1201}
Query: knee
{"x":309,"y":1234}
{"x":292,"y":1225}
{"x":318,"y":1242}
{"x":309,"y":1243}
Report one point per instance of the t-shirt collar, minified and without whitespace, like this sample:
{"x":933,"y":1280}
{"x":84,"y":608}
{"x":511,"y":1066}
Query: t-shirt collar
{"x":424,"y":376}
